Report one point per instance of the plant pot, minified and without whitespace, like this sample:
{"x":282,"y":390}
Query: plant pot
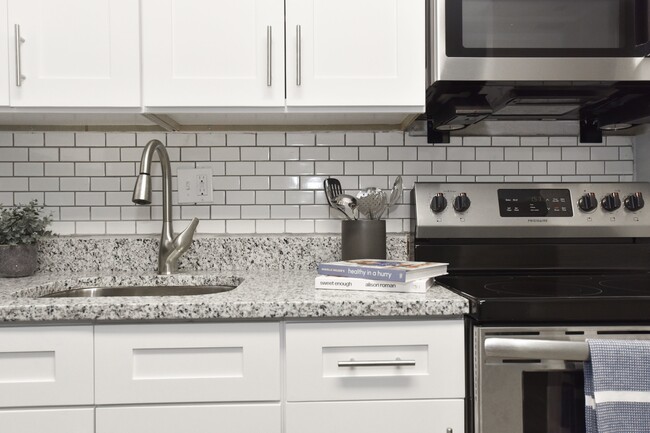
{"x":18,"y":260}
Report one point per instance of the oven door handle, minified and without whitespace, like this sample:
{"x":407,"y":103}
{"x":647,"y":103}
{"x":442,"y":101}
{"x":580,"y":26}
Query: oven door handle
{"x":519,"y":348}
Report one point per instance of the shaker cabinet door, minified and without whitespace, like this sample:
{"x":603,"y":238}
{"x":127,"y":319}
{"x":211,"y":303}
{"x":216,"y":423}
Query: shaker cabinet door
{"x":355,"y":53}
{"x":74,"y":53}
{"x":4,"y":54}
{"x":213,"y":53}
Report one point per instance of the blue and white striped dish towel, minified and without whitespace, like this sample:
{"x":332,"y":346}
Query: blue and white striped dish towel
{"x":617,"y":386}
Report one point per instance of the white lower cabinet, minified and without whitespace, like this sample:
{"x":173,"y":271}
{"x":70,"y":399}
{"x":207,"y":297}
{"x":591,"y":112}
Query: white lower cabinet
{"x":404,"y":416}
{"x":73,"y":420}
{"x":375,"y":376}
{"x":190,"y":362}
{"x":230,"y":418}
{"x":378,"y":376}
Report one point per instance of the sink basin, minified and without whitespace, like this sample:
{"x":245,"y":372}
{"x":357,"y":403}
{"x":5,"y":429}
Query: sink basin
{"x":96,"y":292}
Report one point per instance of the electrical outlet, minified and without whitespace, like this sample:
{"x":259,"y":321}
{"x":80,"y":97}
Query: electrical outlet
{"x":194,"y":185}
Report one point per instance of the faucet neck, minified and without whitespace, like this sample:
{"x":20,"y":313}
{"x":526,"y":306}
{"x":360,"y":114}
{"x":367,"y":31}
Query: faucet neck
{"x":156,"y":146}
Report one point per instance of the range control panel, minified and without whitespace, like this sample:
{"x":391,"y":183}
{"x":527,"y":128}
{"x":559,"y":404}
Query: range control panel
{"x":531,"y":210}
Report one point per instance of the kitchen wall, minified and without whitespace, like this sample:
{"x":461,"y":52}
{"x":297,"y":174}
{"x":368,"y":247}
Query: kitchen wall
{"x":271,"y":182}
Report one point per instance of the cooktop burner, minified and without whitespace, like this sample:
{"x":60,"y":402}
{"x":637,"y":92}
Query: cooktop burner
{"x":561,"y":298}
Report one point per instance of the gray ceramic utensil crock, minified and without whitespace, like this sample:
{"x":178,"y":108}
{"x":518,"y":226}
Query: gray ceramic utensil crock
{"x":363,"y":239}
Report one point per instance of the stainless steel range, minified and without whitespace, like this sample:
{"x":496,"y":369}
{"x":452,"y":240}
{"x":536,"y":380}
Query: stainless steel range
{"x":544,"y":267}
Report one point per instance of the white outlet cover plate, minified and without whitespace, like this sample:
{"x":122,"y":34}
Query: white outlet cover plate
{"x":194,"y":185}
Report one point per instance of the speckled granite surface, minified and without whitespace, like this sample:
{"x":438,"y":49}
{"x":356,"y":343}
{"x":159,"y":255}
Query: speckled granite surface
{"x":140,"y":254}
{"x":276,"y":276}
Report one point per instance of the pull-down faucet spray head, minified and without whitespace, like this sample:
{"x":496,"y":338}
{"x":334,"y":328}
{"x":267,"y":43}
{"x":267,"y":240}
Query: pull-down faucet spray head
{"x":142,"y":190}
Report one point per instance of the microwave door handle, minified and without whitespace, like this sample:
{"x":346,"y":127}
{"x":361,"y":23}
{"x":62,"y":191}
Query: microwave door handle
{"x":519,"y":348}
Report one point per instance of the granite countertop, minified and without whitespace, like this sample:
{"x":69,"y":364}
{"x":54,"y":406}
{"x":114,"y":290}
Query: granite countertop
{"x":262,"y":294}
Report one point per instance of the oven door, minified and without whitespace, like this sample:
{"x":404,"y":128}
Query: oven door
{"x":563,"y":38}
{"x":530,"y":379}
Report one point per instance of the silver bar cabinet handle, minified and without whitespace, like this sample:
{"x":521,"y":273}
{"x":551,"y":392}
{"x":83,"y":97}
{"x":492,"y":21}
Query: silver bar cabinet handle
{"x":519,"y":348}
{"x":18,"y":40}
{"x":269,"y":55}
{"x":298,"y":55}
{"x":388,"y":363}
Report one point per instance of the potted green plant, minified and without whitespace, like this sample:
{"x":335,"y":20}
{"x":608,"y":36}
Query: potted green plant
{"x":21,"y":227}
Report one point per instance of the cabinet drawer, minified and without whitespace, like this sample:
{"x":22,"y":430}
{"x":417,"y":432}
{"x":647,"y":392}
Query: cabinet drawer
{"x":192,"y":362}
{"x":242,"y":418}
{"x":398,"y":360}
{"x":417,"y":416}
{"x":48,"y":420}
{"x":46,"y":366}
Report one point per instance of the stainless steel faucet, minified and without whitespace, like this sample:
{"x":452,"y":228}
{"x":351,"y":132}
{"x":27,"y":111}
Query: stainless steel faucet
{"x":171,"y":248}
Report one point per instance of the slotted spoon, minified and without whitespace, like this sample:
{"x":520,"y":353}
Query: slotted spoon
{"x":371,"y":201}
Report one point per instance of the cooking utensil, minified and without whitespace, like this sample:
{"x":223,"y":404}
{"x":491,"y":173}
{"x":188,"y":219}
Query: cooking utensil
{"x":371,"y":201}
{"x":395,"y":195}
{"x":333,"y":189}
{"x":345,"y":202}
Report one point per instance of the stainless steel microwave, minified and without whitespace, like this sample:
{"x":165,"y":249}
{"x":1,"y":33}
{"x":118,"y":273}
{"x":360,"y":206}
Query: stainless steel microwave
{"x":546,"y":40}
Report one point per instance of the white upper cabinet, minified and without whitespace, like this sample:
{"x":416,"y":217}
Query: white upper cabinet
{"x":213,"y":53}
{"x":74,"y":53}
{"x":355,"y":53}
{"x":4,"y":54}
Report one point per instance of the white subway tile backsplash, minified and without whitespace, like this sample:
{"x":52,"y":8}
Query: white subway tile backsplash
{"x":6,"y":139}
{"x":60,"y":139}
{"x":576,"y":153}
{"x":211,"y":139}
{"x":272,"y":182}
{"x":359,"y":139}
{"x":240,"y":139}
{"x":330,"y":139}
{"x":119,"y":139}
{"x":477,"y":141}
{"x":181,"y":140}
{"x":504,"y":167}
{"x":547,"y":153}
{"x":590,"y":167}
{"x":604,"y":153}
{"x":490,"y":154}
{"x":74,"y":154}
{"x":86,"y":139}
{"x":461,"y":154}
{"x":74,"y":184}
{"x":43,"y":184}
{"x":299,"y":167}
{"x":393,"y":139}
{"x":29,"y":139}
{"x":255,"y":154}
{"x":618,"y":140}
{"x":372,"y":153}
{"x":534,"y":141}
{"x":269,"y":226}
{"x":505,"y":141}
{"x":26,"y":169}
{"x":271,"y":139}
{"x":564,"y":167}
{"x":14,"y":184}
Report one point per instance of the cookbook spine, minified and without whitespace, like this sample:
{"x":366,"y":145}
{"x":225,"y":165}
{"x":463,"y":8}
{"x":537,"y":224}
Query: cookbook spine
{"x":362,"y":272}
{"x":344,"y":283}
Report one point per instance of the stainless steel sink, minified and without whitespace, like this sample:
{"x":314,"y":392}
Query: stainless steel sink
{"x":96,"y":292}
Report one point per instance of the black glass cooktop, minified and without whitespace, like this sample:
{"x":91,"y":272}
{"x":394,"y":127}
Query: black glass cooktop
{"x":555,"y":298}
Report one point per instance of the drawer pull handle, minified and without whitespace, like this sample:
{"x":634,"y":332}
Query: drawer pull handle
{"x":389,"y":363}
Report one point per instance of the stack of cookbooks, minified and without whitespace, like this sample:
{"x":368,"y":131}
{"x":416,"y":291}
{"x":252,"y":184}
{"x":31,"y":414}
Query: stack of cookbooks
{"x":379,"y":275}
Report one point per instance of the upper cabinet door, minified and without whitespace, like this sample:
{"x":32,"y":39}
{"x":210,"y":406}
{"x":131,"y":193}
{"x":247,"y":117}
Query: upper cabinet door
{"x":213,"y":53}
{"x":355,"y":52}
{"x":4,"y":54}
{"x":74,"y":53}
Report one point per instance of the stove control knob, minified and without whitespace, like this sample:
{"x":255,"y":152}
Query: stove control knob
{"x":611,"y":202}
{"x":588,"y":202}
{"x":462,"y":202}
{"x":634,"y":201}
{"x":438,"y":203}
